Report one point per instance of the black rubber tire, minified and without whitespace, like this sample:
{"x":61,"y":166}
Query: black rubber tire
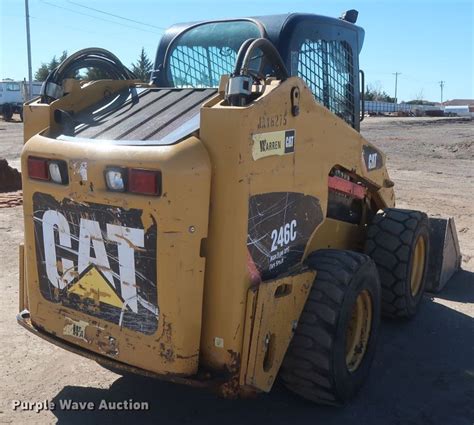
{"x":21,"y":114}
{"x":391,"y":239}
{"x":7,"y":112}
{"x":315,"y":364}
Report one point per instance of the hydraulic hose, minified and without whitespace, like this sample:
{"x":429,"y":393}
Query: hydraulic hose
{"x":246,"y":52}
{"x":241,"y":54}
{"x":93,"y":57}
{"x":239,"y":87}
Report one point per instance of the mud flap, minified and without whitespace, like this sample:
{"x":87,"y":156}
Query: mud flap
{"x":445,"y":254}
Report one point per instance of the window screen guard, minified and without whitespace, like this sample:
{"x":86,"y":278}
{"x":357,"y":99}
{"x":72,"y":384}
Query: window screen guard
{"x":202,"y":54}
{"x":197,"y":66}
{"x":327,"y":68}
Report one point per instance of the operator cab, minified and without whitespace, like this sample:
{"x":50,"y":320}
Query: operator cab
{"x":323,"y":51}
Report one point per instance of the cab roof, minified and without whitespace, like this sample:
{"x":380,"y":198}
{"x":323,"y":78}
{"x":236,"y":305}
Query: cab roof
{"x":277,"y":28}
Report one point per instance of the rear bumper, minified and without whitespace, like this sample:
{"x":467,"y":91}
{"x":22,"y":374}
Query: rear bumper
{"x":24,"y":320}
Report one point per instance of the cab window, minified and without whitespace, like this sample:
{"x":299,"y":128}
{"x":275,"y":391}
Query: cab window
{"x":327,"y":68}
{"x":199,"y":56}
{"x":13,"y":87}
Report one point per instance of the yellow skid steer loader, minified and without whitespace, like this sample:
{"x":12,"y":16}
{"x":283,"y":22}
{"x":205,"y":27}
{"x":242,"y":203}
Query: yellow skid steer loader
{"x":226,"y":222}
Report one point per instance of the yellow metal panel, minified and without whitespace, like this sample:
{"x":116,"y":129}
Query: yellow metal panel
{"x":40,"y":116}
{"x":35,"y":118}
{"x":181,"y":219}
{"x":322,"y":141}
{"x":279,"y":306}
{"x":336,"y":234}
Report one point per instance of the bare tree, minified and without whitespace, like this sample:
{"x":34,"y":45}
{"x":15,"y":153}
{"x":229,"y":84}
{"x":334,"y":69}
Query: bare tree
{"x":420,"y":96}
{"x":375,"y":92}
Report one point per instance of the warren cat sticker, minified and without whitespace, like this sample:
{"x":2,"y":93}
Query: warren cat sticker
{"x":372,"y":158}
{"x":97,"y":259}
{"x":279,"y":227}
{"x":273,"y":143}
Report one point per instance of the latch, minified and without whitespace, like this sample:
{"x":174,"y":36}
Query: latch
{"x":295,"y":101}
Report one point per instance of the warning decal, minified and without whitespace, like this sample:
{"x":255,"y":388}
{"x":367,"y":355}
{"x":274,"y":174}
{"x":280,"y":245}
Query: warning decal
{"x":97,"y":259}
{"x":279,"y":227}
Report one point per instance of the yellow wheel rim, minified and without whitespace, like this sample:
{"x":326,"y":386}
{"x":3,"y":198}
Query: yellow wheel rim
{"x":418,"y":265}
{"x":358,"y":331}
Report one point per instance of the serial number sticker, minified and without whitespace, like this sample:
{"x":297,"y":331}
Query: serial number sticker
{"x":273,"y":143}
{"x":75,"y":328}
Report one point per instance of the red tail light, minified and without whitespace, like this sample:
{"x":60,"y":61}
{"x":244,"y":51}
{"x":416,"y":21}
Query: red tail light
{"x":38,"y":168}
{"x":145,"y":182}
{"x":52,"y":170}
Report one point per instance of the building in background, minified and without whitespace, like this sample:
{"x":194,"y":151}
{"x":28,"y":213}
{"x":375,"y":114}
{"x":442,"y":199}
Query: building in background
{"x":459,"y":107}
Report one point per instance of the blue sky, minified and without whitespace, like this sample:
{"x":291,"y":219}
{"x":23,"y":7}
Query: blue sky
{"x":426,"y":40}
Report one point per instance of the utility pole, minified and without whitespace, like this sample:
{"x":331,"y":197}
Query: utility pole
{"x":396,"y":84}
{"x":28,"y":46}
{"x":441,"y":85}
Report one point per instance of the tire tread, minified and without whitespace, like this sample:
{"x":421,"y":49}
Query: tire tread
{"x":307,"y":367}
{"x":389,"y":239}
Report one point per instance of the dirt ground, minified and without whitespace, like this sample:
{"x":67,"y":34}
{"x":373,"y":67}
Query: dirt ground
{"x":423,"y":372}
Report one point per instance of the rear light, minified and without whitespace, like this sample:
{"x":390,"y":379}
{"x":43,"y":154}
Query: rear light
{"x":55,"y":172}
{"x":38,"y":168}
{"x":133,"y":180}
{"x":115,"y":178}
{"x":58,"y":172}
{"x":145,"y":182}
{"x":48,"y":170}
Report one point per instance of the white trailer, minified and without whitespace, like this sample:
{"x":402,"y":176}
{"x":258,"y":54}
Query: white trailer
{"x":457,"y":111}
{"x":12,"y":96}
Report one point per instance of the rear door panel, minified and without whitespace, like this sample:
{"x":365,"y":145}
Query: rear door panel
{"x":118,"y":273}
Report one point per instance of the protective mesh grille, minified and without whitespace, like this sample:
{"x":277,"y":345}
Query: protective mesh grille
{"x":326,"y":66}
{"x":199,"y":66}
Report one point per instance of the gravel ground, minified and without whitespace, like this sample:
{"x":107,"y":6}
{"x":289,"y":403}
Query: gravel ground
{"x":423,"y":372}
